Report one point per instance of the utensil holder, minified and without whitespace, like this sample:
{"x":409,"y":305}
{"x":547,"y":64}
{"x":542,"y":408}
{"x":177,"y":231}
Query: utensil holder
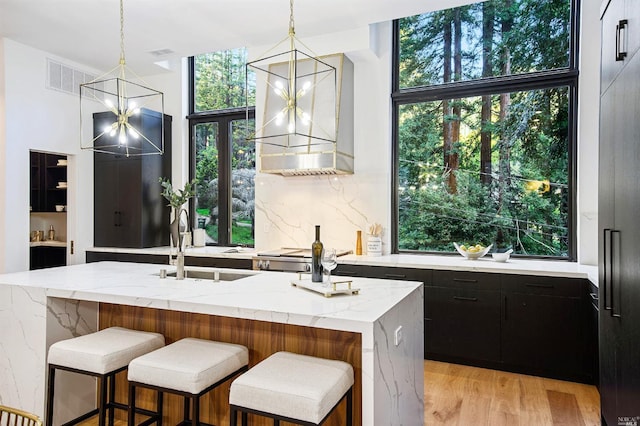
{"x":374,"y":246}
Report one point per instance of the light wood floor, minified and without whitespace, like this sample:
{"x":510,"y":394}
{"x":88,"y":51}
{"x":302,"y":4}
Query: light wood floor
{"x":457,"y":395}
{"x":463,"y":396}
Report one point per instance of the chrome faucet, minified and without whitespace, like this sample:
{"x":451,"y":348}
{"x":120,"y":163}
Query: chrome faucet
{"x":179,"y":260}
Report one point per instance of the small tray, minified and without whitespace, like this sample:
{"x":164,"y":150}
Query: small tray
{"x":326,"y":291}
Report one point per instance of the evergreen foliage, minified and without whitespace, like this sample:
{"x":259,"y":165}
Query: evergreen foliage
{"x":474,"y":166}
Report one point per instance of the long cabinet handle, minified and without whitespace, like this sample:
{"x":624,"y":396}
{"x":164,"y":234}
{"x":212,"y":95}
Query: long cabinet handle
{"x":606,"y":268}
{"x":539,"y":285}
{"x":466,"y":299}
{"x":614,"y":287}
{"x":465,"y":280}
{"x":395,"y":276}
{"x":621,"y":31}
{"x":505,"y":308}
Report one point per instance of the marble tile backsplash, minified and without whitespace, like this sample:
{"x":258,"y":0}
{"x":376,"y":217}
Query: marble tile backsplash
{"x":288,"y":208}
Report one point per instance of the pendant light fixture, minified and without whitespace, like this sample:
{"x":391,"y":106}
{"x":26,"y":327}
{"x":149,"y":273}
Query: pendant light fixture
{"x":299,"y":95}
{"x":131,"y":102}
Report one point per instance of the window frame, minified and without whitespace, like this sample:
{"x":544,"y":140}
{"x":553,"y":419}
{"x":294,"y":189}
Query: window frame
{"x":567,"y":76}
{"x":224,"y":118}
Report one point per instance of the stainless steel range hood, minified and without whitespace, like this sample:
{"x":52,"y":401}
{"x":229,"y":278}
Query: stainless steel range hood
{"x":308,"y":156}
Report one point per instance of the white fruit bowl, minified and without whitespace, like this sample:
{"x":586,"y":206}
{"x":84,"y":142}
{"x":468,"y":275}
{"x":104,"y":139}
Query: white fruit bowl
{"x":470,"y":255}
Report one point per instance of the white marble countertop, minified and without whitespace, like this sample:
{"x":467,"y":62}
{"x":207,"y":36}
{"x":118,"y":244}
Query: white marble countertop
{"x":263,"y":295}
{"x":43,"y":306}
{"x":552,"y":268}
{"x":516,"y":265}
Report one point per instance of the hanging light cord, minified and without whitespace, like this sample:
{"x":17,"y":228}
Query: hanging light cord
{"x":122,"y":61}
{"x":292,"y":27}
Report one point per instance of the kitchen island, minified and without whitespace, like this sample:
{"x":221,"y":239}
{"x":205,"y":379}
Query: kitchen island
{"x":380,"y":330}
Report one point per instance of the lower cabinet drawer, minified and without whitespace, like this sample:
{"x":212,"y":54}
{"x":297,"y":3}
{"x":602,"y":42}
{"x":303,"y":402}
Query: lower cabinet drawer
{"x":466,"y":280}
{"x":462,"y":323}
{"x":384,"y":272}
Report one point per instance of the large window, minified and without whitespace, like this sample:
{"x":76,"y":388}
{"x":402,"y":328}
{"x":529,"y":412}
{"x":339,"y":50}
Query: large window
{"x":222,"y":160}
{"x":484,"y":127}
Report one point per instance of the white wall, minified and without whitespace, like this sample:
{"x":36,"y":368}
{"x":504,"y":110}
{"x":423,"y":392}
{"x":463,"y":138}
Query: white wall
{"x":588,"y":130}
{"x":286,"y":208}
{"x":173,"y":85}
{"x":37,"y":118}
{"x":3,"y":159}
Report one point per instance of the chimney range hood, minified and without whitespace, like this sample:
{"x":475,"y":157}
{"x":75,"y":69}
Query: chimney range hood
{"x":318,"y":139}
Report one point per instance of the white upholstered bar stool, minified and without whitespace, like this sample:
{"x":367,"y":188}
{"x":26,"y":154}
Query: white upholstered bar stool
{"x":294,"y":388}
{"x":101,"y":354}
{"x":189,"y":367}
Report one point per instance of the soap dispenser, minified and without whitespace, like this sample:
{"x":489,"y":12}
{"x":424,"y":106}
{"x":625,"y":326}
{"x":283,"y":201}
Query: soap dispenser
{"x":52,"y":233}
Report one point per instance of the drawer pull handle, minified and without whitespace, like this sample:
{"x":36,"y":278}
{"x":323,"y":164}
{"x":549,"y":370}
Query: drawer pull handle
{"x":395,"y":275}
{"x":594,"y":296}
{"x":540,"y":285}
{"x":465,"y":280}
{"x":466,"y":299}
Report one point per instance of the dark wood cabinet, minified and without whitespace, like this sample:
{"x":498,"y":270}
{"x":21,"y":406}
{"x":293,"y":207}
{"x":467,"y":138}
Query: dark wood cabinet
{"x":545,"y":326}
{"x":462,"y":323}
{"x":202,"y":261}
{"x":618,"y":206}
{"x":48,"y":180}
{"x":529,"y":324}
{"x":462,"y":316}
{"x":594,"y":357}
{"x":47,"y":257}
{"x":384,"y":272}
{"x":129,"y":210}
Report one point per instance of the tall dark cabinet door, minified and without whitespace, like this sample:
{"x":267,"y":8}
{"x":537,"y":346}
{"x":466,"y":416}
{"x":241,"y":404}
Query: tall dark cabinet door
{"x":619,"y":204}
{"x":625,"y":289}
{"x":105,"y":206}
{"x":129,"y":210}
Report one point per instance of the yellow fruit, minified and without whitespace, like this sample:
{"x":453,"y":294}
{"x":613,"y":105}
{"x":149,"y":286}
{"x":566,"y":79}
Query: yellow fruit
{"x":479,"y":246}
{"x":463,"y":247}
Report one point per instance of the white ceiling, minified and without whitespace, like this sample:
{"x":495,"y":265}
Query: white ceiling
{"x":87,"y":31}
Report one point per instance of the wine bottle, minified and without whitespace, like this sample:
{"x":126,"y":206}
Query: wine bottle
{"x":316,"y":258}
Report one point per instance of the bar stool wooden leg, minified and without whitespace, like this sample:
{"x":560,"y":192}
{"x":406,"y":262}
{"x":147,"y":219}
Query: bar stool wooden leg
{"x":350,"y":407}
{"x":102,"y":414}
{"x":160,"y":407}
{"x":50,"y":392}
{"x":132,"y":405}
{"x":112,"y":397}
{"x":186,"y":409}
{"x":195,"y":416}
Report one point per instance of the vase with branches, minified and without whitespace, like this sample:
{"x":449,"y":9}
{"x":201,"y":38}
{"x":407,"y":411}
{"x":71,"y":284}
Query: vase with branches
{"x":177,"y":198}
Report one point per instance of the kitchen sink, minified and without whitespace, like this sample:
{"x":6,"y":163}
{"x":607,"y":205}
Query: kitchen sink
{"x":211,"y":274}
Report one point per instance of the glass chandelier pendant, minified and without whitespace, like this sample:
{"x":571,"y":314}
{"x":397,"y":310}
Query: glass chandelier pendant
{"x":130,"y":102}
{"x":300,"y":96}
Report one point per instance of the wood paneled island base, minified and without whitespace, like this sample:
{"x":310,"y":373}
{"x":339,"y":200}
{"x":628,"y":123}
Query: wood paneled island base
{"x":261,"y":337}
